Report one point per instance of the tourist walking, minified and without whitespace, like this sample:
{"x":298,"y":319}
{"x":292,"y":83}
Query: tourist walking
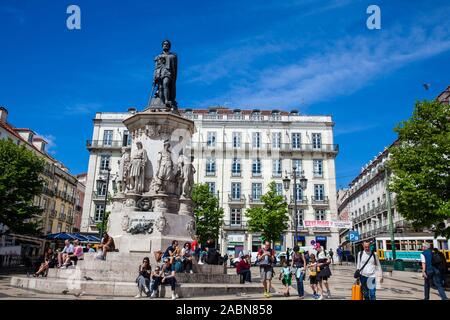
{"x":243,"y":269}
{"x":368,"y":270}
{"x":331,"y":253}
{"x":313,"y":270}
{"x":286,"y":277}
{"x":266,"y":258}
{"x":143,"y":279}
{"x":430,"y":271}
{"x":340,"y":252}
{"x":298,"y":266}
{"x":324,"y":260}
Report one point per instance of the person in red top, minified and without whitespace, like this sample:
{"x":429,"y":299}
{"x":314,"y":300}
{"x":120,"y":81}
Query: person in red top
{"x":195,"y":248}
{"x":243,"y":268}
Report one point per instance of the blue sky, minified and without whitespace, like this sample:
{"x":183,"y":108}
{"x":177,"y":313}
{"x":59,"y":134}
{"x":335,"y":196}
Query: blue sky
{"x":315,"y":56}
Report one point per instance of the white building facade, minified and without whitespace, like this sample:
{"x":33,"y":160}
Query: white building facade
{"x":238,"y":153}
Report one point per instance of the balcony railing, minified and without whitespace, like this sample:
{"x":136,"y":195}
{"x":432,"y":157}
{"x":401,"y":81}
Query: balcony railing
{"x":282,"y":147}
{"x":69,"y":219}
{"x":210,"y":173}
{"x":234,"y":225}
{"x":48,"y":191}
{"x":62,"y":216}
{"x":317,"y":201}
{"x":93,"y":222}
{"x":53,"y":213}
{"x":105,"y":144}
{"x":236,"y":174}
{"x":300,"y":201}
{"x":96,"y":195}
{"x":254,"y":200}
{"x":235,"y":199}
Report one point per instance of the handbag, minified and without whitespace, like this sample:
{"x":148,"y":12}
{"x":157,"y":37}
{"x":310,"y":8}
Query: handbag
{"x":356,"y":291}
{"x":358,"y":271}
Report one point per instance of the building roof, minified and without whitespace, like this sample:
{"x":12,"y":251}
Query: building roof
{"x":444,"y":96}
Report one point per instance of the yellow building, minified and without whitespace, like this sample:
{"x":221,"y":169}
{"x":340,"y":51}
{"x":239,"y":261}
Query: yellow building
{"x":60,"y":187}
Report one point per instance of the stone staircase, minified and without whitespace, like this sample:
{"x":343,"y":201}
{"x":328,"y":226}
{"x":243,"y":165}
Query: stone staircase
{"x":117,"y":274}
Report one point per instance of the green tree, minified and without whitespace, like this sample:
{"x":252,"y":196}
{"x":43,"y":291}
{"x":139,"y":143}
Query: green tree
{"x":271,"y":220}
{"x":420,"y":165}
{"x":208,"y":215}
{"x":100,"y":225}
{"x":20,"y":182}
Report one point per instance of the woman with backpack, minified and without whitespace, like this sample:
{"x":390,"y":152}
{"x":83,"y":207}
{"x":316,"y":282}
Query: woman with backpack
{"x":368,"y":269}
{"x":298,"y":265}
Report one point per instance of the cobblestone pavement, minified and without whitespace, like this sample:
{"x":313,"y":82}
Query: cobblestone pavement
{"x":399,"y":286}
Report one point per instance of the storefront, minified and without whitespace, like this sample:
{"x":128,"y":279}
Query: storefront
{"x":235,"y":244}
{"x":301,"y":241}
{"x":322,"y":240}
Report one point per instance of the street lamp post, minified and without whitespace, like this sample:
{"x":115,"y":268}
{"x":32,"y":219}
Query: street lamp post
{"x":391,"y":219}
{"x":303,"y":184}
{"x":102,"y":230}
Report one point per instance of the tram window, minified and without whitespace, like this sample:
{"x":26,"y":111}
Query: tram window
{"x":397,"y":244}
{"x":380,"y":244}
{"x":413,"y":245}
{"x":404,"y":245}
{"x":443,"y":244}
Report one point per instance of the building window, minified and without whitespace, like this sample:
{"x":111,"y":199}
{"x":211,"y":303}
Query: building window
{"x":299,"y":217}
{"x":59,"y":228}
{"x":49,"y":226}
{"x":104,"y":162}
{"x":107,"y":137}
{"x":237,"y":138}
{"x":236,"y":191}
{"x":30,"y":138}
{"x":236,"y":217}
{"x":212,"y":187}
{"x":318,"y":168}
{"x":236,"y":167}
{"x":298,"y":192}
{"x":296,"y":140}
{"x":63,"y":209}
{"x":126,"y":139}
{"x":317,"y":140}
{"x":276,"y":140}
{"x":279,"y":188}
{"x":101,"y":188}
{"x":256,"y":167}
{"x":210,"y":166}
{"x":99,"y":210}
{"x":320,"y":215}
{"x":277,"y":169}
{"x":67,"y":228}
{"x":256,"y":139}
{"x":297,"y":164}
{"x":256,"y":191}
{"x":211,"y":139}
{"x":319,"y":194}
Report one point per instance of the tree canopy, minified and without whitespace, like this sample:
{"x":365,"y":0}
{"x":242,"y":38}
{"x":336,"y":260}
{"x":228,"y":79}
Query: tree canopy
{"x":20,"y":182}
{"x":420,"y":164}
{"x":271,"y":220}
{"x":208,"y":215}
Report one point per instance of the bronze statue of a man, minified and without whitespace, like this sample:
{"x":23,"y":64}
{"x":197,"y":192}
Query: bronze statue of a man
{"x":165,"y":75}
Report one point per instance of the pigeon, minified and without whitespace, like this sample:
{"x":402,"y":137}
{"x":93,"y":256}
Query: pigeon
{"x":88,"y":278}
{"x":65,"y":291}
{"x":426,"y":86}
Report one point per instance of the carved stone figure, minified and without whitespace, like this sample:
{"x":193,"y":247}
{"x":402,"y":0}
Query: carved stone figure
{"x":125,"y":222}
{"x":141,"y":227}
{"x":165,"y":76}
{"x":188,"y":178}
{"x":190,"y":227}
{"x":161,"y":224}
{"x":164,"y":170}
{"x":137,"y":169}
{"x":123,"y":179}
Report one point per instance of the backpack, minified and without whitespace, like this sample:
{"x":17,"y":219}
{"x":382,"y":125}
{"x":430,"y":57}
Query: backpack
{"x":436,"y":260}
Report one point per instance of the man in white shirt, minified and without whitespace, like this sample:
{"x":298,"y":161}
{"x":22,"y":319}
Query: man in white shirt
{"x":369,"y":267}
{"x":62,"y":256}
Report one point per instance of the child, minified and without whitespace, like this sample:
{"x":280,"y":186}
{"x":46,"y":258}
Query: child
{"x":286,"y":274}
{"x":314,"y":269}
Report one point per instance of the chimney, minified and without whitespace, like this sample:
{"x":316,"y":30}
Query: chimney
{"x":3,"y":114}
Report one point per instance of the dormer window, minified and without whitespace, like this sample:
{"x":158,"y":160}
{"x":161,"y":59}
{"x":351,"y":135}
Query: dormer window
{"x":30,"y":138}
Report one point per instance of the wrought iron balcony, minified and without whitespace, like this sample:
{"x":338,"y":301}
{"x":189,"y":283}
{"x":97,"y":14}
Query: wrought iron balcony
{"x":300,"y":201}
{"x":96,"y":195}
{"x":105,"y":144}
{"x":236,"y":199}
{"x":255,"y":200}
{"x":234,"y":225}
{"x":316,"y":201}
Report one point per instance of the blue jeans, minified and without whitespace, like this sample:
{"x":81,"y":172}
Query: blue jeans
{"x":143,"y":283}
{"x":369,"y":287}
{"x":436,"y":278}
{"x":247,"y":275}
{"x":300,"y":288}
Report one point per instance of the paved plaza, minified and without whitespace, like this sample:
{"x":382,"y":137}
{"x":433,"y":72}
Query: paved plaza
{"x":399,"y":286}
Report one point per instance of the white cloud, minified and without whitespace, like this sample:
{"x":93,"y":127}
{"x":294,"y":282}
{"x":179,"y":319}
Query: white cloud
{"x":341,"y":68}
{"x":82,"y":108}
{"x":51,"y":145}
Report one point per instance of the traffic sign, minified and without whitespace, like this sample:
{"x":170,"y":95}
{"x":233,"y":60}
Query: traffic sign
{"x":353,"y":236}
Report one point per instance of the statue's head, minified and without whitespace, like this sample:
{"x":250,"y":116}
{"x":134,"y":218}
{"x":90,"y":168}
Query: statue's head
{"x":166,"y":45}
{"x":139,"y":145}
{"x":166,"y":144}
